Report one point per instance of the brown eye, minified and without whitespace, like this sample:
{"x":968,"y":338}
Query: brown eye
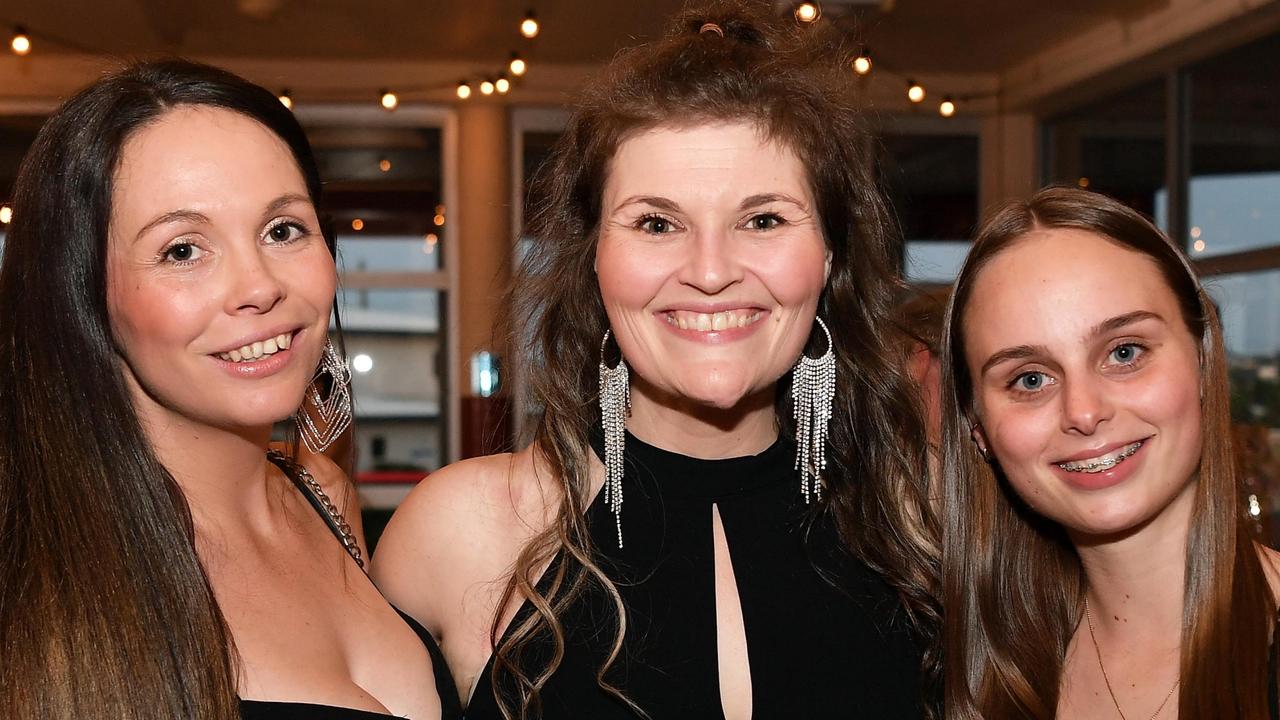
{"x":656,"y":225}
{"x":181,"y":252}
{"x":285,"y":232}
{"x":764,"y":222}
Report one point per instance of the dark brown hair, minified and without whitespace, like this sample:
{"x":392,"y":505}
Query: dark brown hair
{"x":1013,"y":584}
{"x":105,"y":610}
{"x":792,"y":82}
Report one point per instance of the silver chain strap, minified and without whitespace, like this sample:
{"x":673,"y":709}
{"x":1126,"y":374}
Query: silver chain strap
{"x":308,"y":484}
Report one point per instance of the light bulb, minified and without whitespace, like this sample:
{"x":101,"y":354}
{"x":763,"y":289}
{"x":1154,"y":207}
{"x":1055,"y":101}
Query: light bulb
{"x":529,"y":26}
{"x":807,"y":12}
{"x":862,"y":63}
{"x":464,"y":90}
{"x":915,"y":91}
{"x":21,"y":42}
{"x":503,"y":85}
{"x":389,"y":100}
{"x":517,"y":66}
{"x":486,"y":88}
{"x":947,"y":108}
{"x":286,"y":99}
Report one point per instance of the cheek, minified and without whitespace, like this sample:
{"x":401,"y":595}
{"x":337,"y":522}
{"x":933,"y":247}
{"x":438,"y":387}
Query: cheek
{"x":156,"y":313}
{"x":630,"y":277}
{"x":1018,"y":436}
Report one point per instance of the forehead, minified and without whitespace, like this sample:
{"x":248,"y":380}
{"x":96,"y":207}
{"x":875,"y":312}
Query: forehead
{"x":704,"y":158}
{"x":198,"y":156}
{"x":1052,"y":286}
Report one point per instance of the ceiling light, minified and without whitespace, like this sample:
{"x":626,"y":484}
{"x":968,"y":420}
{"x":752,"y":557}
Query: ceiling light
{"x":21,"y":42}
{"x":862,"y":63}
{"x":389,"y":100}
{"x":517,"y":66}
{"x":807,"y":12}
{"x":915,"y":91}
{"x":464,"y":89}
{"x":529,"y":26}
{"x":286,"y":99}
{"x":947,"y":108}
{"x":503,"y":85}
{"x":486,"y":87}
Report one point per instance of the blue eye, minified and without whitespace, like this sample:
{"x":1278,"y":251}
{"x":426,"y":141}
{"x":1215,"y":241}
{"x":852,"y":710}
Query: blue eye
{"x":1127,"y":353}
{"x":1030,"y":381}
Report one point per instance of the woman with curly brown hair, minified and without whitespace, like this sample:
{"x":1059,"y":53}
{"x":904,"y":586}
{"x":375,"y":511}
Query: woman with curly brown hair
{"x":707,"y":304}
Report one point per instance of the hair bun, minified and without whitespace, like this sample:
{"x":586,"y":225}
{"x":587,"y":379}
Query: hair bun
{"x":740,"y":21}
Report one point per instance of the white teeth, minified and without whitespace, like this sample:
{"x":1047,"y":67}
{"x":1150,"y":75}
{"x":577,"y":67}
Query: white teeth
{"x":1102,"y":463}
{"x":712,"y":322}
{"x":259,"y":350}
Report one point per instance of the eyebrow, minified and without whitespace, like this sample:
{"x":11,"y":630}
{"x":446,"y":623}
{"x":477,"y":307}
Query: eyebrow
{"x":1021,"y":352}
{"x":196,"y":217}
{"x":1120,"y":321}
{"x":655,"y":200}
{"x":765,"y":198}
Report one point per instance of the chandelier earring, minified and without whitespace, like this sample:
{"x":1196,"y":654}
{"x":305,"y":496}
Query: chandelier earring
{"x":615,"y":406}
{"x":326,"y":408}
{"x":813,"y":390}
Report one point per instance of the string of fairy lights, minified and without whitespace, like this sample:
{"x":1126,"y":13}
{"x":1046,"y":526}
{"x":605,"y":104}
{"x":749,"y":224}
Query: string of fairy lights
{"x":502,"y":81}
{"x":862,"y":65}
{"x":499,"y":82}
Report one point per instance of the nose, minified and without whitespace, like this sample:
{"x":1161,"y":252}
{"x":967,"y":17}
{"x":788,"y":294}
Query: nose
{"x":255,"y":287}
{"x":712,"y":264}
{"x":1085,"y":405}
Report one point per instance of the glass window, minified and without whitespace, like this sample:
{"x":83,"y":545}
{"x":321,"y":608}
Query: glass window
{"x":1235,"y":150}
{"x":932,"y":184}
{"x":1115,"y":146}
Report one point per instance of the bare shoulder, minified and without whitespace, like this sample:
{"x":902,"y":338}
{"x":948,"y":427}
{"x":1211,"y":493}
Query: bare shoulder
{"x":462,"y":525}
{"x":1271,"y":567}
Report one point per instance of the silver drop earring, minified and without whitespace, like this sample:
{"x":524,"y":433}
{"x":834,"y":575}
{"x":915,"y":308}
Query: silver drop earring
{"x":332,"y":413}
{"x":813,"y":388}
{"x":615,"y":406}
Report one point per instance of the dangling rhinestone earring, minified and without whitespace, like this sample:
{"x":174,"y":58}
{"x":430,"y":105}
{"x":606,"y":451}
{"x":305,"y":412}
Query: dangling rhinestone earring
{"x":332,"y":412}
{"x":615,"y":406}
{"x":813,"y":387}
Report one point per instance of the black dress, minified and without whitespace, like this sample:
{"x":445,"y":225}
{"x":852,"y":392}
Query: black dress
{"x":826,"y":637}
{"x":450,"y":705}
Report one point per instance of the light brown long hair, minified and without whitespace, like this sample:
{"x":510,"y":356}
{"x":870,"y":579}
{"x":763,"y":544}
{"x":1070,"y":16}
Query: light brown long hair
{"x":105,"y":610}
{"x":1013,"y":584}
{"x":794,"y":84}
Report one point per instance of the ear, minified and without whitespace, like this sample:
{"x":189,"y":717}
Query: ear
{"x":979,"y":437}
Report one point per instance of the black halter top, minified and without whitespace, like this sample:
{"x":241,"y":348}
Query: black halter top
{"x":826,"y":636}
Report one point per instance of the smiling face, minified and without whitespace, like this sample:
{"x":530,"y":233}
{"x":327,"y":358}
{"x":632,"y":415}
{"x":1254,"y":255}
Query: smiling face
{"x":710,"y":259}
{"x":219,"y":281}
{"x":1086,"y":380}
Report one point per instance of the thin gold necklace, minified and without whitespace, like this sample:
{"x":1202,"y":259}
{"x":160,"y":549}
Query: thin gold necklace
{"x":1089,"y":621}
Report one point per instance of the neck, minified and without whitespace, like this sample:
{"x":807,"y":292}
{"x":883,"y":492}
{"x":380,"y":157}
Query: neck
{"x":1136,"y":579}
{"x":689,"y":428}
{"x":222,"y":473}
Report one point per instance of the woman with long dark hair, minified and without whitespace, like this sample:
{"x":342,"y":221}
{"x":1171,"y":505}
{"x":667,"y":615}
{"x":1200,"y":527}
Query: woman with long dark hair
{"x":1097,"y":562}
{"x":166,"y":291}
{"x":722,"y":512}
